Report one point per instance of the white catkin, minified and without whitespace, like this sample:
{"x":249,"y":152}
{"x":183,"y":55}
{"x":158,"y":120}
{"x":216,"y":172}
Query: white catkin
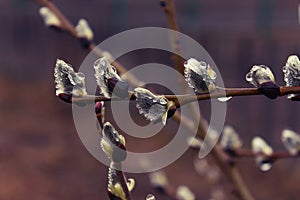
{"x":103,"y":71}
{"x":260,"y":74}
{"x":199,"y":75}
{"x":83,"y":30}
{"x":67,"y":81}
{"x":50,"y":19}
{"x":151,"y":106}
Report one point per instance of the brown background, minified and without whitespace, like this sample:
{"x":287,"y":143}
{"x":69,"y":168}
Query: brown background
{"x":41,"y":155}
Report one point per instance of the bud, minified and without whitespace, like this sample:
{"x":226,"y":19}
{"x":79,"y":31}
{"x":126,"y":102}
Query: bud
{"x":153,"y":107}
{"x":291,"y":72}
{"x":84,"y":32}
{"x":113,"y":144}
{"x":184,"y":193}
{"x":260,"y":74}
{"x":230,"y":140}
{"x":130,"y":184}
{"x":159,"y":180}
{"x":262,"y":151}
{"x":194,"y":142}
{"x":67,"y":81}
{"x":50,"y":19}
{"x":262,"y":77}
{"x":115,"y":190}
{"x":108,"y":80}
{"x":199,"y":75}
{"x":291,"y":141}
{"x":201,"y":166}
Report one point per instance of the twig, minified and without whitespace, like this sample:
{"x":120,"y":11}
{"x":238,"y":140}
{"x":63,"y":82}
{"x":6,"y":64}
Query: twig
{"x":116,"y":165}
{"x":231,"y":92}
{"x":230,"y":171}
{"x":240,"y":188}
{"x":169,"y":8}
{"x":246,"y":153}
{"x":188,"y":98}
{"x":99,"y":52}
{"x":69,"y":28}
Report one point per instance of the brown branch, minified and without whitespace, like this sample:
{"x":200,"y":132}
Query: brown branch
{"x":99,"y":52}
{"x":246,"y":153}
{"x":240,"y":189}
{"x":228,"y":92}
{"x":230,"y":171}
{"x":168,"y":7}
{"x":69,"y":28}
{"x":188,"y":98}
{"x":116,"y":165}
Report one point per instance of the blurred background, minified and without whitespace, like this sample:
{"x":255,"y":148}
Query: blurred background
{"x":41,"y":155}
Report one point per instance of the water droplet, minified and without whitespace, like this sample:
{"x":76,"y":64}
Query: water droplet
{"x":265,"y":166}
{"x":224,"y":99}
{"x":150,"y":197}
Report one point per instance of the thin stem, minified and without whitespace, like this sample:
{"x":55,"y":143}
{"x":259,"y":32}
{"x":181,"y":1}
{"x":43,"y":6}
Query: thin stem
{"x":246,"y":153}
{"x":168,"y":7}
{"x":188,"y":98}
{"x":170,"y":11}
{"x":232,"y":173}
{"x":69,"y":28}
{"x":227,"y":92}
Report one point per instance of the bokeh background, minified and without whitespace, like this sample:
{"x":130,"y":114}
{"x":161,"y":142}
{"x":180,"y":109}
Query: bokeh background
{"x":41,"y":155}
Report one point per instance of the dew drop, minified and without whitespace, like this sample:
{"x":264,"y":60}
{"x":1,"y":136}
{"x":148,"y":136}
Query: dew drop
{"x":224,"y":99}
{"x":150,"y":197}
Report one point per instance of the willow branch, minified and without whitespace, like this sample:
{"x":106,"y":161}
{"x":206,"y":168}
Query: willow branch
{"x":116,"y":165}
{"x":248,"y":153}
{"x":168,"y":7}
{"x":69,"y":28}
{"x":180,"y":100}
{"x":231,"y":172}
{"x":230,"y":92}
{"x":99,"y":52}
{"x":240,"y":189}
